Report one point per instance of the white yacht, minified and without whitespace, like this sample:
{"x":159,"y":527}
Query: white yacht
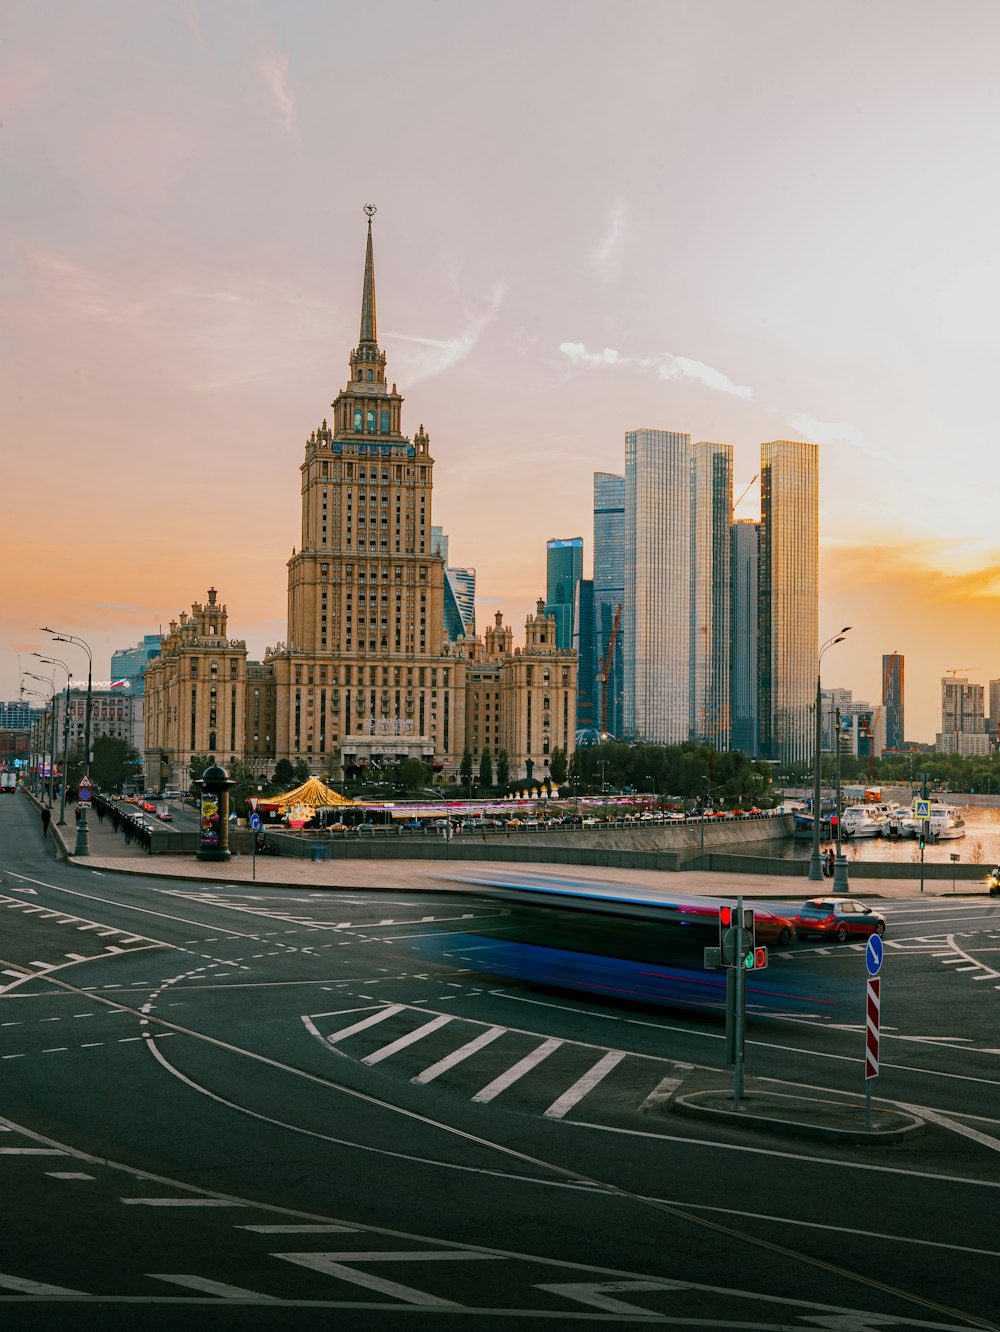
{"x":945,"y":822}
{"x":860,"y":821}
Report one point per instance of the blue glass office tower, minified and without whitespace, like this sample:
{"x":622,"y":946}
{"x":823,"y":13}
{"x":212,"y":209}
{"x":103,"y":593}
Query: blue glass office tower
{"x":892,"y":700}
{"x":130,"y":663}
{"x":711,"y":584}
{"x":563,"y":570}
{"x":609,"y":594}
{"x":657,"y":619}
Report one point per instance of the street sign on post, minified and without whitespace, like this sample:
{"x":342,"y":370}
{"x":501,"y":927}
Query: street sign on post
{"x":253,"y":801}
{"x":873,"y":1007}
{"x":874,"y":952}
{"x":85,"y":783}
{"x":255,"y":821}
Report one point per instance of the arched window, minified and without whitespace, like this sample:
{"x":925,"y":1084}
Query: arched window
{"x":211,"y":741}
{"x":359,"y":374}
{"x":384,"y":426}
{"x":368,"y":374}
{"x":358,"y":420}
{"x":371,"y":423}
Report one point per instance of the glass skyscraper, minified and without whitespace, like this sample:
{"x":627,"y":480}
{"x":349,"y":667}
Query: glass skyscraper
{"x":788,"y":599}
{"x":711,"y":587}
{"x":583,"y":643}
{"x":892,"y":700}
{"x":563,"y":570}
{"x":609,"y":594}
{"x":130,"y":663}
{"x":657,"y":623}
{"x":745,"y":533}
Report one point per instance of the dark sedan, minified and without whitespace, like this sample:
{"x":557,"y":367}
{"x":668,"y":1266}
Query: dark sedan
{"x":841,"y":917}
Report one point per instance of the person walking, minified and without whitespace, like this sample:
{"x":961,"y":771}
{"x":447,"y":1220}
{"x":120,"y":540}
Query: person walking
{"x":830,"y":862}
{"x":46,"y":820}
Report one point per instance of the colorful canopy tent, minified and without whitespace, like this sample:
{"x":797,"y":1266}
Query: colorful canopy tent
{"x":311,"y":793}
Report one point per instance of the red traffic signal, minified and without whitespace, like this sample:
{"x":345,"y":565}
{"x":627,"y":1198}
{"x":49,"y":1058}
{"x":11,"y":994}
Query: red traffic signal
{"x":725,"y":916}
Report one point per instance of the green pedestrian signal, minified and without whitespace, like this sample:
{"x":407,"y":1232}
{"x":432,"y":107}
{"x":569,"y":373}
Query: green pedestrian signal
{"x":755,"y":959}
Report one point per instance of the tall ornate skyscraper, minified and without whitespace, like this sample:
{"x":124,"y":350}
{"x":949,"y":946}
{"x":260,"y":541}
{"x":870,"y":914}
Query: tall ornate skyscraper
{"x":368,"y":674}
{"x":609,"y":594}
{"x":789,"y":599}
{"x":711,"y":592}
{"x":657,"y":585}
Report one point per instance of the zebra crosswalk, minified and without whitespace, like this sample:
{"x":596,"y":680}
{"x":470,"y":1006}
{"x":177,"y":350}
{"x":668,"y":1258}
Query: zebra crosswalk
{"x":550,"y":1076}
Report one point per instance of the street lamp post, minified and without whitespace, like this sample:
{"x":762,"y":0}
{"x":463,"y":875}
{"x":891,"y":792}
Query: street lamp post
{"x":708,"y":797}
{"x":815,"y":864}
{"x":38,"y":767}
{"x":82,"y":831}
{"x":54,"y":661}
{"x":50,"y":681}
{"x":840,"y":881}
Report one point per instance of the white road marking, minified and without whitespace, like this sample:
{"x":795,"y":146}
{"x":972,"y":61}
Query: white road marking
{"x":335,"y":1264}
{"x":664,"y":1089}
{"x":409,"y":1039}
{"x":68,"y":1174}
{"x":24,"y":1287}
{"x":592,"y":1293}
{"x":179,"y":1202}
{"x":379,"y":1015}
{"x":457,"y":1056}
{"x":301,"y":1230}
{"x":560,"y":1108}
{"x":31,"y":1151}
{"x":516,"y":1071}
{"x":208,"y":1287}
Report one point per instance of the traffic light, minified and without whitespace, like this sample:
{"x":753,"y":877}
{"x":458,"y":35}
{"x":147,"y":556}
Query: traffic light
{"x":755,"y":959}
{"x":727,"y":919}
{"x":922,"y":839}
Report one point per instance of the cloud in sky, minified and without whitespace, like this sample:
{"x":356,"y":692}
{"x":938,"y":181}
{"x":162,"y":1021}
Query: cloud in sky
{"x":667,"y":367}
{"x":832,"y":432}
{"x":274,"y":71}
{"x":432,"y":356}
{"x":605,"y":258}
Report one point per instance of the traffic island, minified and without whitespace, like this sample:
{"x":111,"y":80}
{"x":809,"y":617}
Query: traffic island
{"x":766,"y":1105}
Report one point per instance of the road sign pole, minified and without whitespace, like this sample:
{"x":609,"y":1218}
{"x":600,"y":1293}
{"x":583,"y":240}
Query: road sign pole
{"x":873,"y":1003}
{"x":740,"y":1006}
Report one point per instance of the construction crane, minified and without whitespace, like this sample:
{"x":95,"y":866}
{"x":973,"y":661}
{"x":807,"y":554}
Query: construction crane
{"x":744,"y":495}
{"x":605,"y":672}
{"x":957,"y":670}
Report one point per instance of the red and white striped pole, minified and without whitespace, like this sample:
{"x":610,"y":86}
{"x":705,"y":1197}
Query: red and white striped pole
{"x":873,"y":1007}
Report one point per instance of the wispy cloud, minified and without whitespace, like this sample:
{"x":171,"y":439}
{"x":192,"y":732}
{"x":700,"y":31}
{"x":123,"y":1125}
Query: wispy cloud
{"x":682,"y":367}
{"x":832,"y":432}
{"x":274,"y":72}
{"x":666,"y":366}
{"x":606,"y":258}
{"x":432,"y":356}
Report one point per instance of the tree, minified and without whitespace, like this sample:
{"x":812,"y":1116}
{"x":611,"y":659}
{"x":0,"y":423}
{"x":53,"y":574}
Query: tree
{"x":115,"y":763}
{"x":486,"y":768}
{"x":465,"y":771}
{"x":284,"y":775}
{"x":558,"y":766}
{"x":412,"y":773}
{"x":197,"y":766}
{"x":503,"y":769}
{"x":301,"y":772}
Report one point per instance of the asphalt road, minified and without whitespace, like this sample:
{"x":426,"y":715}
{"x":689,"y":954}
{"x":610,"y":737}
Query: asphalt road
{"x":260,"y":1107}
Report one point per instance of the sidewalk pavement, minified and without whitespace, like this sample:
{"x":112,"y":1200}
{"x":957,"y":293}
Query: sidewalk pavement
{"x":766,"y":1104}
{"x":108,"y":852}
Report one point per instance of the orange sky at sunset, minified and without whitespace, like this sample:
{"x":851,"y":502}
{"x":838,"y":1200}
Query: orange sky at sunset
{"x":744,"y":222}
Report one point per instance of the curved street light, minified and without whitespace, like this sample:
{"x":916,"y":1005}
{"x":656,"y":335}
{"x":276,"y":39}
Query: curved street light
{"x":54,"y":661}
{"x":50,"y":681}
{"x":82,"y":831}
{"x":815,"y":864}
{"x":34,"y":693}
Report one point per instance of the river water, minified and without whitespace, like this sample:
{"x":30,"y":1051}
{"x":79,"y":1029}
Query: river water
{"x":980,"y":845}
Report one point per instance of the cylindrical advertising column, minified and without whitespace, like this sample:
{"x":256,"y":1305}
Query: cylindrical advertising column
{"x":214,"y":842}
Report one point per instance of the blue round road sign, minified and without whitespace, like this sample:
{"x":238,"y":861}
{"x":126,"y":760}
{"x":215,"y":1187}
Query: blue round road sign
{"x":873,"y":954}
{"x":255,"y":821}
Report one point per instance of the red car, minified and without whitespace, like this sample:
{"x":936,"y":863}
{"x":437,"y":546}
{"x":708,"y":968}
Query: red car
{"x":841,"y":917}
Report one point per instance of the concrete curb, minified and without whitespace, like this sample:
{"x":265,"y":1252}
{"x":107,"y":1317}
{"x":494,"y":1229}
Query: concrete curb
{"x":807,"y":1117}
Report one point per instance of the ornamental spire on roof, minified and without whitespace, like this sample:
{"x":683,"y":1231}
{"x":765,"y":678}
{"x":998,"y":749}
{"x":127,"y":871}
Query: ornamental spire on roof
{"x":368,"y":290}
